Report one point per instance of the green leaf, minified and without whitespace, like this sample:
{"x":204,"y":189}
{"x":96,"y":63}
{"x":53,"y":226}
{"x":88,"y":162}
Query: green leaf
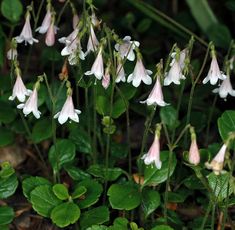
{"x":78,"y":192}
{"x":128,"y":91}
{"x":144,"y":25}
{"x":97,"y":227}
{"x":119,"y":107}
{"x":202,"y":13}
{"x":76,"y":173}
{"x":124,"y":196}
{"x":102,"y":105}
{"x":94,"y":216}
{"x":94,"y":190}
{"x":6,"y":170}
{"x":220,"y":35}
{"x":12,"y":10}
{"x":6,"y":215}
{"x":62,"y":153}
{"x":43,"y":200}
{"x":65,"y":214}
{"x":6,"y":137}
{"x":168,"y":116}
{"x":110,"y":174}
{"x":8,"y":186}
{"x":31,"y":183}
{"x":42,"y":130}
{"x":50,"y":54}
{"x":81,"y":139}
{"x":8,"y":114}
{"x":119,"y":223}
{"x":61,"y":191}
{"x":230,"y":4}
{"x":150,"y":201}
{"x":154,"y":176}
{"x":220,"y":185}
{"x":226,"y":124}
{"x":162,"y":227}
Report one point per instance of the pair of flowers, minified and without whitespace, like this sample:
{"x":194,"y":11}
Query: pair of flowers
{"x":215,"y":74}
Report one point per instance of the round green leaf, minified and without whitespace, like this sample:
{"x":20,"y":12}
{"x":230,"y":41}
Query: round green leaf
{"x":162,"y":227}
{"x":220,"y":185}
{"x":63,"y":153}
{"x":124,"y":196}
{"x":94,"y":216}
{"x":150,"y":201}
{"x":76,"y":173}
{"x":79,"y":191}
{"x":226,"y":124}
{"x":42,"y":130}
{"x":6,"y":170}
{"x":6,"y":215}
{"x":44,"y":200}
{"x":8,"y":186}
{"x":6,"y":137}
{"x":65,"y":214}
{"x":81,"y":140}
{"x":110,"y":174}
{"x":12,"y":10}
{"x":94,"y":190}
{"x":168,"y":116}
{"x":154,"y":176}
{"x":31,"y":183}
{"x":61,"y":191}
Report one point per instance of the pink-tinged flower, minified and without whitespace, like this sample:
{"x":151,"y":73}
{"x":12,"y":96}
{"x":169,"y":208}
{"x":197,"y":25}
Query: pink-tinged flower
{"x":12,"y":54}
{"x":26,"y":34}
{"x":174,"y":75}
{"x":92,"y":43}
{"x":181,"y":58}
{"x":19,"y":90}
{"x":72,"y":47}
{"x":68,"y":112}
{"x":75,"y":21}
{"x":98,"y":66}
{"x":106,"y":78}
{"x":218,"y":161}
{"x":126,"y":49}
{"x":45,"y":23}
{"x":153,"y":155}
{"x":214,"y":73}
{"x":50,"y":36}
{"x":31,"y":105}
{"x":120,"y":73}
{"x":140,"y":74}
{"x":225,"y":88}
{"x":194,"y":155}
{"x":156,"y":96}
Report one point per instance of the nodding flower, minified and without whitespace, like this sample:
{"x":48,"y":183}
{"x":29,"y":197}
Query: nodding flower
{"x":106,"y":78}
{"x":92,"y":43}
{"x":19,"y":90}
{"x":98,"y":66}
{"x":225,"y":88}
{"x":156,"y":96}
{"x":153,"y":155}
{"x":126,"y":48}
{"x":31,"y":105}
{"x":214,"y":73}
{"x":68,"y":111}
{"x":194,"y":154}
{"x":26,"y":33}
{"x":218,"y":161}
{"x":45,"y":23}
{"x":120,"y":73}
{"x":140,"y":74}
{"x":174,"y":75}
